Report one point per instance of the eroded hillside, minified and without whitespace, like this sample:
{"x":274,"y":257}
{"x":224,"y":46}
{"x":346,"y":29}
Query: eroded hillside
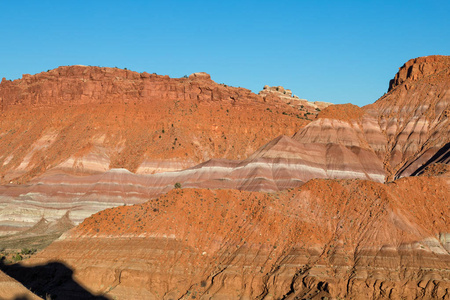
{"x":330,"y":238}
{"x":86,"y":120}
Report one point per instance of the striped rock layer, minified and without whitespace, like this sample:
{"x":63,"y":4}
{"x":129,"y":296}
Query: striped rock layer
{"x":389,"y":139}
{"x":351,"y":239}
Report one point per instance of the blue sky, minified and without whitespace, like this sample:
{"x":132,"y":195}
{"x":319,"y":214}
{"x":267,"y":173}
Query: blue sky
{"x":336,"y":51}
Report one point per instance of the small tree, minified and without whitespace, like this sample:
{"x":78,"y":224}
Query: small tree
{"x":177,"y":185}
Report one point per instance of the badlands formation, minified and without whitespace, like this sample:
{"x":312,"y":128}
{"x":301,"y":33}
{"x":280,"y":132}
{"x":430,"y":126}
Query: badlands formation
{"x":279,"y":199}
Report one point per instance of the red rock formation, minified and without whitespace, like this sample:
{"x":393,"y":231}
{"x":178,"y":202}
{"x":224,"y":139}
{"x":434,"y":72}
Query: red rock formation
{"x":88,"y":120}
{"x":281,"y":164}
{"x":390,"y":138}
{"x":403,"y":129}
{"x":278,"y":92}
{"x":328,"y":238}
{"x":339,"y":239}
{"x":414,"y":115}
{"x":419,"y":68}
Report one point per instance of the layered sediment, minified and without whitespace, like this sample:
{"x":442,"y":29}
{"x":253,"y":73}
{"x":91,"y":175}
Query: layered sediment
{"x":321,"y":208}
{"x":328,"y":238}
{"x":389,"y":139}
{"x":87,"y":120}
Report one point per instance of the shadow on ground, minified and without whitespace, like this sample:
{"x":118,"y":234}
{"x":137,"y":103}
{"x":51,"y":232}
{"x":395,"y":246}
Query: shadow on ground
{"x":53,"y":280}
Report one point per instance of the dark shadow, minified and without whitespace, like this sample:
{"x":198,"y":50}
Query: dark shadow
{"x":24,"y":297}
{"x":53,"y":280}
{"x":441,"y":156}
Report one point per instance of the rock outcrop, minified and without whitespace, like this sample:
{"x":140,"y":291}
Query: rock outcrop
{"x":404,"y":128}
{"x":271,"y":92}
{"x":414,"y":116}
{"x":419,"y":68}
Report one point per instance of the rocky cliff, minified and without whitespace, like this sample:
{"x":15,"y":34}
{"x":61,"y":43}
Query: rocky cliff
{"x":414,"y":115}
{"x":418,"y":68}
{"x":87,"y":120}
{"x":404,"y":128}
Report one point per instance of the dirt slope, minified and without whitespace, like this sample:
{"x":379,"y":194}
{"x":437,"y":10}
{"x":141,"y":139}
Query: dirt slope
{"x":11,"y":289}
{"x":330,"y":238}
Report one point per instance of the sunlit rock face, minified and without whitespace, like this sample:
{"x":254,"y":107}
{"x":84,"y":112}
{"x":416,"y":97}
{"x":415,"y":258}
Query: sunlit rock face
{"x":332,"y":238}
{"x":404,"y":128}
{"x":184,"y":188}
{"x":414,"y":114}
{"x":87,"y":120}
{"x":269,"y":93}
{"x":80,"y":151}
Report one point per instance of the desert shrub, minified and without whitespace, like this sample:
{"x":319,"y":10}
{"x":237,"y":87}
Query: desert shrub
{"x":17,"y":257}
{"x":26,"y":251}
{"x":177,"y":185}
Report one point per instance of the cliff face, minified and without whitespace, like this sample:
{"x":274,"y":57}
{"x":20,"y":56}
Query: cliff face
{"x":414,"y":115}
{"x":87,"y":120}
{"x":403,"y":129}
{"x":418,"y":68}
{"x":95,"y":85}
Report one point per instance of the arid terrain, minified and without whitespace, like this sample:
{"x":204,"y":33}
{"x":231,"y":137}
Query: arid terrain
{"x":140,"y":186}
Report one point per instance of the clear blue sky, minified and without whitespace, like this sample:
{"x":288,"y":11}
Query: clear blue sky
{"x":337,"y":51}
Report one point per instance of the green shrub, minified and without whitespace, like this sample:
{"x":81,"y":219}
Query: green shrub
{"x":17,"y":257}
{"x":177,"y":185}
{"x":26,"y":251}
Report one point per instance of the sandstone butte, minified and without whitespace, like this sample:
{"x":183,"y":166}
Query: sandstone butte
{"x":328,"y":208}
